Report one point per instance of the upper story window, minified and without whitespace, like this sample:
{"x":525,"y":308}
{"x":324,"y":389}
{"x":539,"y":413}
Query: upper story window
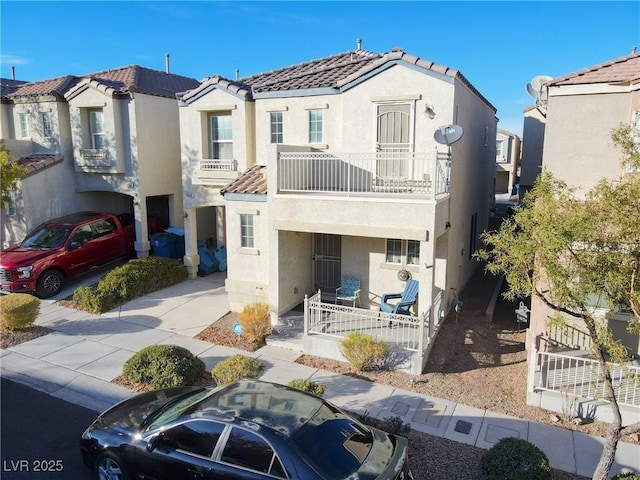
{"x":47,"y":125}
{"x":276,"y":127}
{"x":246,"y":231}
{"x":221,"y":137}
{"x":315,"y":126}
{"x":500,"y":150}
{"x":24,"y":125}
{"x":96,"y":127}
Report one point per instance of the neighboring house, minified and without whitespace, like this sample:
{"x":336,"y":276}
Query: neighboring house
{"x":532,"y":146}
{"x":329,"y":168}
{"x":115,"y":136}
{"x":507,"y":161}
{"x":581,"y":111}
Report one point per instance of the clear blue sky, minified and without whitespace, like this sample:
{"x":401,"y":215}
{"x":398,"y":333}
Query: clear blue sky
{"x":499,"y":46}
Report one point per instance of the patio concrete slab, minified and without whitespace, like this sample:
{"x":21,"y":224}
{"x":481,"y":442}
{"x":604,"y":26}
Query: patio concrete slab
{"x":556,"y":443}
{"x":96,"y":329}
{"x":285,"y":354}
{"x":191,"y":318}
{"x":147,"y":307}
{"x":197,"y":347}
{"x":431,"y":415}
{"x":281,"y":371}
{"x":497,"y":426}
{"x":79,"y":354}
{"x":46,"y":345}
{"x":216,"y":353}
{"x":465,"y":423}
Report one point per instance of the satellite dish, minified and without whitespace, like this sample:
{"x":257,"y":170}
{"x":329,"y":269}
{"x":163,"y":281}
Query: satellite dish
{"x":535,"y":87}
{"x":448,"y":134}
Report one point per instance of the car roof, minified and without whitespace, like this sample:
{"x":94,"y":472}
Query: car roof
{"x":277,"y":407}
{"x":74,"y":218}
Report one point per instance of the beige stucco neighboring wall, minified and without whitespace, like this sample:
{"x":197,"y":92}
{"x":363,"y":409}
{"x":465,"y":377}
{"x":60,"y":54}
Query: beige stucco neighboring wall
{"x":581,"y":152}
{"x":532,"y":146}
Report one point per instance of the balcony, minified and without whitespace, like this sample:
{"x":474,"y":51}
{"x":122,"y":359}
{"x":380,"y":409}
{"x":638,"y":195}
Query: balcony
{"x":215,"y":171}
{"x":424,"y":174}
{"x":94,"y":158}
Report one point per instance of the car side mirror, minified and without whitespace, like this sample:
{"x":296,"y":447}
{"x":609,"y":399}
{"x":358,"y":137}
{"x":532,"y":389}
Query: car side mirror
{"x":153,"y":441}
{"x":74,"y":245}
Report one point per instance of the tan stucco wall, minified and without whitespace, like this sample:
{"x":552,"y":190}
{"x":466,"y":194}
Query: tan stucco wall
{"x":532,"y":145}
{"x":581,"y":152}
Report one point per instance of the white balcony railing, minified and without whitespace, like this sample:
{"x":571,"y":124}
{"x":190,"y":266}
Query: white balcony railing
{"x":414,"y":173}
{"x":583,"y":377}
{"x":213,"y":165}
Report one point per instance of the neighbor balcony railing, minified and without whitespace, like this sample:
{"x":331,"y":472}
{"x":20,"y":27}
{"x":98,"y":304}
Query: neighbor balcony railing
{"x":94,"y":157}
{"x":218,"y":165}
{"x":583,"y":377}
{"x":413,"y":173}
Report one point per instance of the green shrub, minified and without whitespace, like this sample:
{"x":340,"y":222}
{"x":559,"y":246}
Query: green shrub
{"x":163,"y":366}
{"x":18,"y":310}
{"x":256,"y":322}
{"x":235,"y":368}
{"x":363,"y":352}
{"x":396,"y":426}
{"x":627,"y":476}
{"x":134,"y":279}
{"x":515,"y":459}
{"x":307,"y":386}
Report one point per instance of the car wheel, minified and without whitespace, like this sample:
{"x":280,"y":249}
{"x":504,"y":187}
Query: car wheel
{"x":110,"y":467}
{"x":49,"y":283}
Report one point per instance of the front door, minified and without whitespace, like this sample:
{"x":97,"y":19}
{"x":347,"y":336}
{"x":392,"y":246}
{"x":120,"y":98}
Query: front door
{"x":327,"y":255}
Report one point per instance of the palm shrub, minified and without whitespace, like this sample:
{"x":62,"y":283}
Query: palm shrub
{"x":307,"y":386}
{"x":256,"y":322}
{"x":515,"y":459}
{"x":18,"y":310}
{"x":235,"y":368}
{"x":134,"y":279}
{"x":162,"y":366}
{"x":363,"y":352}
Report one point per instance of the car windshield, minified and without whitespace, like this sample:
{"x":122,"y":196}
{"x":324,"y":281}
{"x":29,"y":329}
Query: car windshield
{"x":173,"y":410}
{"x":345,"y":442}
{"x":46,"y":237}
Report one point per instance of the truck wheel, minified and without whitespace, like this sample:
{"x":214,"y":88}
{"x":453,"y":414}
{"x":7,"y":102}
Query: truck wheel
{"x":49,"y":283}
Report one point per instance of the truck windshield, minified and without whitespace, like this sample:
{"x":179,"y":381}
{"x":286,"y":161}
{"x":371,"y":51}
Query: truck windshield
{"x":46,"y":237}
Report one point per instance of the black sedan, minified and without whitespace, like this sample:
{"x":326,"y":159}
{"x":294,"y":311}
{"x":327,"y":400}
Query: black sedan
{"x":248,"y":430}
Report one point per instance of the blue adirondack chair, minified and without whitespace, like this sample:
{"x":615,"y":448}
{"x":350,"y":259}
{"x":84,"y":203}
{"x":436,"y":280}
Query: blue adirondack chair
{"x":407,"y":298}
{"x":349,"y":290}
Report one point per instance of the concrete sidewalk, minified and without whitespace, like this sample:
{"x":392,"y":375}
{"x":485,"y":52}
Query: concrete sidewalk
{"x":85,"y":352}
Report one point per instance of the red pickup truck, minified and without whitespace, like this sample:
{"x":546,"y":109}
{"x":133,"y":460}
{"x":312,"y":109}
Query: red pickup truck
{"x":65,"y":247}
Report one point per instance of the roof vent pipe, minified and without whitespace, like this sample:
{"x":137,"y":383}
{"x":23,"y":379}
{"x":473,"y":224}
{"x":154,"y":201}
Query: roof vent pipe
{"x":633,"y":49}
{"x":166,"y":62}
{"x":237,"y":74}
{"x":359,"y":44}
{"x":13,"y":72}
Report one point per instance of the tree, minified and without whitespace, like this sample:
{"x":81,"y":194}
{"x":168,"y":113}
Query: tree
{"x":566,"y":251}
{"x":10,"y":174}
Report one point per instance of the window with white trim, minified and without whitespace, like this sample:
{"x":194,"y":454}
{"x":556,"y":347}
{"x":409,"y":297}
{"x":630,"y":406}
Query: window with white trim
{"x":315,"y":126}
{"x":221,"y":136}
{"x":500,"y":150}
{"x":276,"y":127}
{"x":96,"y":126}
{"x":402,"y":252}
{"x":24,"y":125}
{"x":246,"y":231}
{"x":47,"y":125}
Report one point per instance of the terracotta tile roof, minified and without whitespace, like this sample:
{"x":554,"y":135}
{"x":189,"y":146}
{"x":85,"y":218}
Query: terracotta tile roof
{"x":117,"y":81}
{"x":53,"y":86}
{"x":622,"y":69}
{"x":253,"y":180}
{"x":333,"y":72}
{"x":8,"y":86}
{"x":217,"y":81}
{"x":38,"y":161}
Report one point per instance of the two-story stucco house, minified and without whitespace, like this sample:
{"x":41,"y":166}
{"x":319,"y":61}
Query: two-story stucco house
{"x":581,"y":111}
{"x":507,"y":161}
{"x":329,"y":168}
{"x":115,"y":138}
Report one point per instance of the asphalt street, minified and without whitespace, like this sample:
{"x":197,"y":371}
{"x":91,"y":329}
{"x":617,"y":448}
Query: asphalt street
{"x":40,"y":435}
